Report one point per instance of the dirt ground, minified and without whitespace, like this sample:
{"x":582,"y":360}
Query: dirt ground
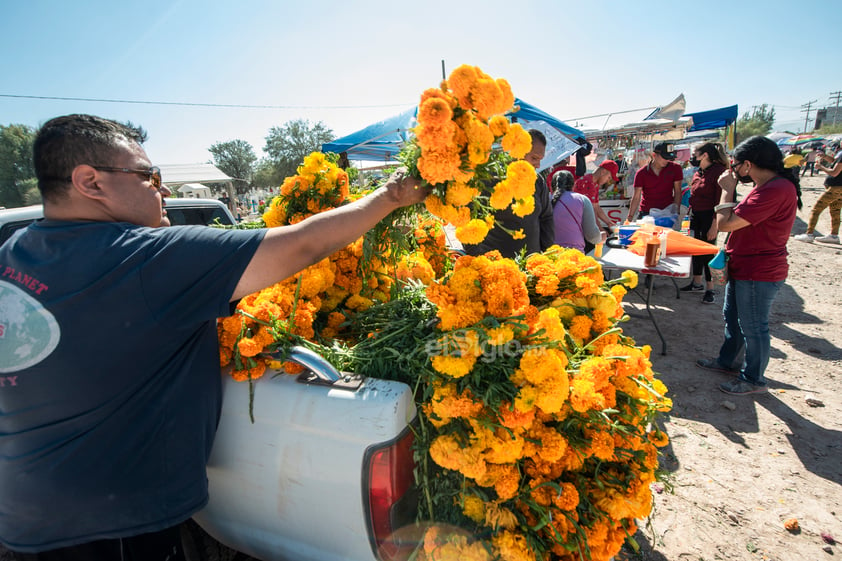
{"x":739,"y":466}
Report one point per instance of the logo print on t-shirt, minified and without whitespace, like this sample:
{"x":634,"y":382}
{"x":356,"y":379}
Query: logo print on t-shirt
{"x":28,"y":332}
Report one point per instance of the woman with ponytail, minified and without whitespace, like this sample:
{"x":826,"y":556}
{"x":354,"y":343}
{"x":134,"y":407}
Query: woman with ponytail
{"x":759,"y":227}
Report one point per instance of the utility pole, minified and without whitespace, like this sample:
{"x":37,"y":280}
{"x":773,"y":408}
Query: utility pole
{"x":834,"y":96}
{"x":807,"y":107}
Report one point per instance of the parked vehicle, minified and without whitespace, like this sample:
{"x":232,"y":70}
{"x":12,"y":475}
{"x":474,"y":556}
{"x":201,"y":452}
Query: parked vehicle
{"x":180,"y":212}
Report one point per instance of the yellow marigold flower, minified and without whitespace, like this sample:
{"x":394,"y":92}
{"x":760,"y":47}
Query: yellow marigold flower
{"x":473,"y":507}
{"x":521,"y":175}
{"x":549,"y":320}
{"x":498,"y":516}
{"x":499,"y":125}
{"x":454,"y":366}
{"x":498,"y":336}
{"x":517,"y":142}
{"x":525,"y":400}
{"x":358,"y":303}
{"x":502,"y":195}
{"x":524,"y":207}
{"x":631,"y":278}
{"x":473,"y":232}
{"x":460,"y":194}
{"x":434,"y":111}
{"x":553,"y":393}
{"x":511,"y":546}
{"x":518,"y":234}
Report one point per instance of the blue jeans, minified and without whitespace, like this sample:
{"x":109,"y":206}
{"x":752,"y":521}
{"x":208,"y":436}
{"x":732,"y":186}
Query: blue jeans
{"x":746,"y":311}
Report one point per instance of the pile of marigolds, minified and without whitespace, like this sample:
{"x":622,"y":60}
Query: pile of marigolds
{"x":537,"y":436}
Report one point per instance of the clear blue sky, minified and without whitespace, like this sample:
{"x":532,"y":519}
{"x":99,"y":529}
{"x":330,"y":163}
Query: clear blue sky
{"x":350,"y":64}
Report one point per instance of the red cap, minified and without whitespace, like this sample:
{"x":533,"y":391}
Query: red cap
{"x":612,"y":167}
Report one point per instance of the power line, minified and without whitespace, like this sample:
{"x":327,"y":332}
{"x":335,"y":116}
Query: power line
{"x":834,"y":96}
{"x":189,"y":104}
{"x":807,"y":107}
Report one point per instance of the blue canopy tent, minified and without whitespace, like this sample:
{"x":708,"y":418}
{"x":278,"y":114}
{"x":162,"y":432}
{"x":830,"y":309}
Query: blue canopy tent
{"x":384,"y":139}
{"x":713,"y":119}
{"x":380,"y":141}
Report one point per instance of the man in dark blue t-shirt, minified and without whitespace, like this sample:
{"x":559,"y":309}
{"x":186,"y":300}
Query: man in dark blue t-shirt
{"x":109,"y":354}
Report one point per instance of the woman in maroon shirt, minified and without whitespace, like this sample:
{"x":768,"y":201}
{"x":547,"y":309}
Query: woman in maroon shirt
{"x":759,"y":228}
{"x":705,"y":193}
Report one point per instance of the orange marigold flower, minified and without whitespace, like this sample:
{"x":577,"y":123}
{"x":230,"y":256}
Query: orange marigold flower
{"x":434,"y":111}
{"x":517,"y":141}
{"x":499,"y":125}
{"x":460,"y":194}
{"x":248,"y":347}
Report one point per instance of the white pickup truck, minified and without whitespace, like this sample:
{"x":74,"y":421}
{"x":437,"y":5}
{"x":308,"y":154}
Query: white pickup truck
{"x":323,"y":474}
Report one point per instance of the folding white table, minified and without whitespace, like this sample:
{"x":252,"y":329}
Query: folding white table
{"x":672,"y":266}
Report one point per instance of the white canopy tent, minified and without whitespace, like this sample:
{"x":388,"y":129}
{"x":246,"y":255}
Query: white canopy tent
{"x":176,"y":176}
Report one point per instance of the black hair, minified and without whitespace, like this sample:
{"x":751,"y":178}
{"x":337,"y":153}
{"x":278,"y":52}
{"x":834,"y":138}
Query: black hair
{"x":563,"y":181}
{"x":765,"y":154}
{"x":715,"y":152}
{"x":537,"y":135}
{"x":65,"y":142}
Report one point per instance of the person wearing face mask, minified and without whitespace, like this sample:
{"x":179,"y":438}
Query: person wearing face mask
{"x":759,"y":227}
{"x":705,"y":192}
{"x":658,"y":184}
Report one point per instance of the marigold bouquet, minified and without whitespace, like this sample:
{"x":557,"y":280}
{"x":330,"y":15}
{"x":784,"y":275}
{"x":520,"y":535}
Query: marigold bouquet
{"x":468,"y":151}
{"x":315,"y":304}
{"x":536,"y":436}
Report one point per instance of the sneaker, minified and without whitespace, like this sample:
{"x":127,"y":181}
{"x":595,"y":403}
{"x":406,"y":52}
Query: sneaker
{"x":805,"y":238}
{"x":713,"y":364}
{"x":708,"y":298}
{"x":692,"y":287}
{"x":740,"y":387}
{"x":830,"y":238}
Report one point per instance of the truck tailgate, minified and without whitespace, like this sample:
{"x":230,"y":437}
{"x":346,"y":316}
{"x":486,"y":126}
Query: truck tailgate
{"x":289,"y":486}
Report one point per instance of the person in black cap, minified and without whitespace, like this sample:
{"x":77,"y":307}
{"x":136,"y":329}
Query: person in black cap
{"x":658,"y":184}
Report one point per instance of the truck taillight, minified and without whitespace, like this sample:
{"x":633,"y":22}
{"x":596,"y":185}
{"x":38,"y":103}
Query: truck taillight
{"x":391,"y":502}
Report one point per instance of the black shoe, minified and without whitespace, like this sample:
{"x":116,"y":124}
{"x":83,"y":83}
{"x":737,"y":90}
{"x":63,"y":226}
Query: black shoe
{"x":708,"y":298}
{"x":692,"y":287}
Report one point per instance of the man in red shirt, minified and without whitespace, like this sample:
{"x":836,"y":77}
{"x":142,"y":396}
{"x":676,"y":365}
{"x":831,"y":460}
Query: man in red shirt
{"x":658,"y":184}
{"x":590,"y":183}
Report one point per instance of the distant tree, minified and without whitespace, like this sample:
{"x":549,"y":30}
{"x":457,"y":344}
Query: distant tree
{"x":18,"y":186}
{"x":758,"y":122}
{"x":287,"y":145}
{"x":236,"y":159}
{"x":265,"y":174}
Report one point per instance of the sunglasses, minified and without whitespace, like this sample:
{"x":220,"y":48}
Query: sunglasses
{"x":153,"y":174}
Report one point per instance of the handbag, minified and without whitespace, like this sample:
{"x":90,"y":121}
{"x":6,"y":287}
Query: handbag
{"x":719,"y":265}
